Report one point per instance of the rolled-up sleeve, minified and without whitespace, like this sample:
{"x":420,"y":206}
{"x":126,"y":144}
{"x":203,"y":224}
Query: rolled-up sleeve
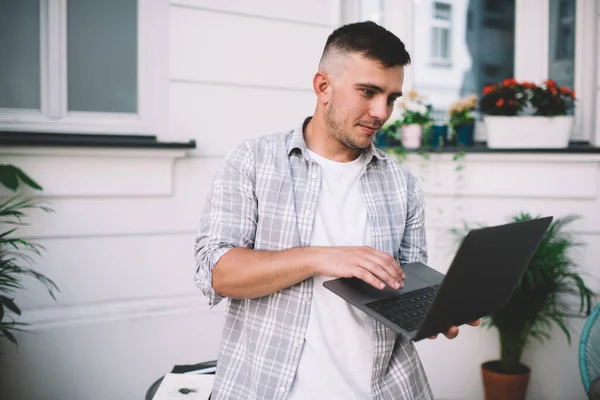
{"x":413,"y":247}
{"x":229,"y":217}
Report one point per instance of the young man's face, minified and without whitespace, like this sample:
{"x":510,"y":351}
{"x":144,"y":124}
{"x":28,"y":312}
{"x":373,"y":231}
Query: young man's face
{"x":362,"y":100}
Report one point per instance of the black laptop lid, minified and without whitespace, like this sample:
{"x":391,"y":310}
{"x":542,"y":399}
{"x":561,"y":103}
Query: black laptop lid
{"x":484,"y":273}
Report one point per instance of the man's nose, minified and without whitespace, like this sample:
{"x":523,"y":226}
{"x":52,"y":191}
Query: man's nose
{"x":379,"y":109}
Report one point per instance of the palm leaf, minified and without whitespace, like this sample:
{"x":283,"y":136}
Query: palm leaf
{"x":17,"y":257}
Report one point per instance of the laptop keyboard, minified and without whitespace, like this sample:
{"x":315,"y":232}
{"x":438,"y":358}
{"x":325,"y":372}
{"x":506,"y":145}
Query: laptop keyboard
{"x":406,"y":310}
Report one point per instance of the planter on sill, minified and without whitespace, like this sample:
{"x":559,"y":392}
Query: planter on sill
{"x":411,"y":136}
{"x":528,"y":131}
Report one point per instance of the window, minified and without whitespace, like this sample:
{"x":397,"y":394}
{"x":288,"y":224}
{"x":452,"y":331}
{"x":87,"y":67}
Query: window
{"x":471,"y":45}
{"x":491,"y":40}
{"x":81,"y":66}
{"x":441,"y":40}
{"x":20,"y":67}
{"x":561,"y":63}
{"x":95,"y":34}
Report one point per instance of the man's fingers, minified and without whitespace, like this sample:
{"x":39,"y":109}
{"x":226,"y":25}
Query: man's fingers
{"x":452,"y":332}
{"x":384,"y":262}
{"x":365,"y":275}
{"x":389,"y":262}
{"x":380,"y":273}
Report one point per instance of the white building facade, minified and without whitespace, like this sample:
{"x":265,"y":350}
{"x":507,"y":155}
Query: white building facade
{"x":120,"y":242}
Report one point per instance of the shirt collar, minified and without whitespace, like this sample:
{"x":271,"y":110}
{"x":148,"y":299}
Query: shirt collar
{"x":297,"y":142}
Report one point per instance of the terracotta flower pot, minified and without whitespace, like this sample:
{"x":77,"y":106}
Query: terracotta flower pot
{"x":501,"y":386}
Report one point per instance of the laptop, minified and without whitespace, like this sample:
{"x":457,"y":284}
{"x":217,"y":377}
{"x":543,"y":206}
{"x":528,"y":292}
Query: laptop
{"x":482,"y":276}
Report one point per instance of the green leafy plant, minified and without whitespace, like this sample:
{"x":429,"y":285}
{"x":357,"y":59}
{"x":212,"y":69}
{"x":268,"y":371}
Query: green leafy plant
{"x":511,"y":97}
{"x":544,"y":296}
{"x":461,"y":112}
{"x":415,"y":110}
{"x":16,"y":254}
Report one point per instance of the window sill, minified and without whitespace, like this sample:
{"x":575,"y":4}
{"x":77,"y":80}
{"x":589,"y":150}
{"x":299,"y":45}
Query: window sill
{"x":575,"y":147}
{"x":81,"y":165}
{"x":39,"y":139}
{"x":571,"y":173}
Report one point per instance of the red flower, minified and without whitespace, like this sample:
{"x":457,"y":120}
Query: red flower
{"x":500,"y":102}
{"x":488,"y":89}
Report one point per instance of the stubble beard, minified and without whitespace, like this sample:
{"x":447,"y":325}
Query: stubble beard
{"x":336,"y":128}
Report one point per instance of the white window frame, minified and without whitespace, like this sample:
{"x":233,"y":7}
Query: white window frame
{"x":53,"y":116}
{"x":441,"y":24}
{"x":532,"y":52}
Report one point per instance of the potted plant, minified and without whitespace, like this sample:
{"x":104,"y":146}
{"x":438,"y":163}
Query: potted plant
{"x":544,"y":296}
{"x":527,"y":115}
{"x":16,"y":252}
{"x":462,"y":120}
{"x":415,"y":120}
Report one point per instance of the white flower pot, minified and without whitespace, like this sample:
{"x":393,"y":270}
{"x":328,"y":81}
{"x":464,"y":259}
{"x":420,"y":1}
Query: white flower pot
{"x":528,"y":131}
{"x":411,"y":136}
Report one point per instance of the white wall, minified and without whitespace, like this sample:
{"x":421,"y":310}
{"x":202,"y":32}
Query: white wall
{"x":120,"y":242}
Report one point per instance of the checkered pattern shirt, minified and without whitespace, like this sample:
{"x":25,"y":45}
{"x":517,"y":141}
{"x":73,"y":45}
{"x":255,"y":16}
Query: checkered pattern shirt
{"x":264,"y":197}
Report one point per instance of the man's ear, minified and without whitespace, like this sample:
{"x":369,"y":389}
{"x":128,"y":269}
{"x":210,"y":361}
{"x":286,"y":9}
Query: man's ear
{"x":322,"y":87}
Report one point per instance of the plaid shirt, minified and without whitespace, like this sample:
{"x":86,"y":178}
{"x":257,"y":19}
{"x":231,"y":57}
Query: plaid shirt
{"x":264,"y":197}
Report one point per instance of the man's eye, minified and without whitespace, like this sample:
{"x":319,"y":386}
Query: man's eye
{"x":368,"y":92}
{"x":392,"y":100}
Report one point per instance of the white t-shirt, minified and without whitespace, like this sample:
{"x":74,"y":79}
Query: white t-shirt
{"x":337,"y":357}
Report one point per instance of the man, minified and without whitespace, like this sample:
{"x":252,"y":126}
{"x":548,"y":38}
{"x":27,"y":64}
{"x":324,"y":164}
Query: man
{"x":291,"y":210}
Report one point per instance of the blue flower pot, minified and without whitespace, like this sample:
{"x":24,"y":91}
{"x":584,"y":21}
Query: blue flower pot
{"x":464,"y":135}
{"x":439,"y":135}
{"x":385,"y":140}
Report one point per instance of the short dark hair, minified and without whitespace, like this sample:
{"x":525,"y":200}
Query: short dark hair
{"x":371,"y":40}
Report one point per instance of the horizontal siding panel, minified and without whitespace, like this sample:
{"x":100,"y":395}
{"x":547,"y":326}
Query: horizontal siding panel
{"x":211,"y":47}
{"x":451,"y":212}
{"x":123,"y":216}
{"x":522,"y":178}
{"x":76,"y":172}
{"x":319,"y":12}
{"x":220,"y":117}
{"x":113,"y":269}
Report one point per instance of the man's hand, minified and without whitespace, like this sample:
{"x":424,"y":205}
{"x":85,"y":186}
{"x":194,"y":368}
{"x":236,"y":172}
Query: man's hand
{"x":371,"y":265}
{"x":453,"y":331}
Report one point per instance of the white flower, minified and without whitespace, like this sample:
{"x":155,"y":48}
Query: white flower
{"x":415,"y":107}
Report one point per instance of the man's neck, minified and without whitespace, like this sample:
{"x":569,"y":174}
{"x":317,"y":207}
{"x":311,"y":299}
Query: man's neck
{"x":320,"y":141}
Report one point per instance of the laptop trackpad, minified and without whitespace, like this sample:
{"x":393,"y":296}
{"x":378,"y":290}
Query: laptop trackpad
{"x":363,"y":293}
